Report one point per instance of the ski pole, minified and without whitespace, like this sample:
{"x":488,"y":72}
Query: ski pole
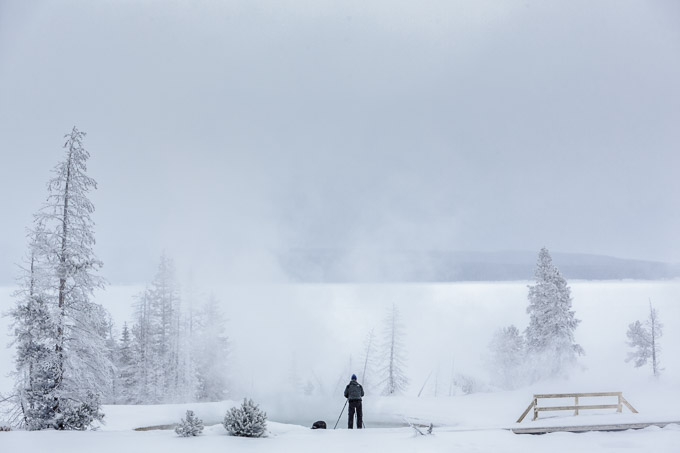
{"x":343,"y":410}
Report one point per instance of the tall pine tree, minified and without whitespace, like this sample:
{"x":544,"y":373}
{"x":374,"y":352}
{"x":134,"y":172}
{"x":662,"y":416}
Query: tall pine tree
{"x":211,"y":352}
{"x":163,"y":364}
{"x":368,"y":360}
{"x":64,"y":323}
{"x":393,"y":355}
{"x":127,"y":374}
{"x":550,"y":343}
{"x":143,"y":390}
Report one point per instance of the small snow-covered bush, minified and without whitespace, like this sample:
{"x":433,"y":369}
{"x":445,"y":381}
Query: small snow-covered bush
{"x":246,"y":421}
{"x":189,"y":426}
{"x":4,"y":428}
{"x":80,"y":415}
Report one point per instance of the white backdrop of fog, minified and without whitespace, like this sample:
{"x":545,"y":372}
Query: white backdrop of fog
{"x":223,"y":131}
{"x":314,"y":329}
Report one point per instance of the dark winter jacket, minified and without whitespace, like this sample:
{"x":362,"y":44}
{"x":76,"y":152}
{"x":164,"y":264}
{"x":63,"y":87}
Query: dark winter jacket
{"x":354,"y":391}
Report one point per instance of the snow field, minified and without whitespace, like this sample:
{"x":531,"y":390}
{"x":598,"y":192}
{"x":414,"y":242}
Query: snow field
{"x":290,"y":438}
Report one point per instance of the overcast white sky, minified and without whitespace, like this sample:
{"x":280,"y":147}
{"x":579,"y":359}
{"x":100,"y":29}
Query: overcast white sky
{"x":220,"y":131}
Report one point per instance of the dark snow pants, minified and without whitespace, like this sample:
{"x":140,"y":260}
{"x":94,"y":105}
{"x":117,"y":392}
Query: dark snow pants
{"x":355,"y":406}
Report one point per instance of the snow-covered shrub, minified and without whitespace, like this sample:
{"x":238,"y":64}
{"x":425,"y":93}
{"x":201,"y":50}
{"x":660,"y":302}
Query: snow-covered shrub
{"x":4,"y":428}
{"x":80,"y":415}
{"x":189,"y":426}
{"x":246,"y":421}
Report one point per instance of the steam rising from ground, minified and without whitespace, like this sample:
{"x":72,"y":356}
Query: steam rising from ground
{"x":312,"y":331}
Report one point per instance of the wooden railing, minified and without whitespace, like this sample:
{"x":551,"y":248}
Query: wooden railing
{"x":576,"y":407}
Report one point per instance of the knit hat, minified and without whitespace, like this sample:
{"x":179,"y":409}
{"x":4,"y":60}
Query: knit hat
{"x":354,"y":377}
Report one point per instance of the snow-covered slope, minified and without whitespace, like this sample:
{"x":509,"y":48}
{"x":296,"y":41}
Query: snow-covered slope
{"x":464,"y":423}
{"x":294,"y":438}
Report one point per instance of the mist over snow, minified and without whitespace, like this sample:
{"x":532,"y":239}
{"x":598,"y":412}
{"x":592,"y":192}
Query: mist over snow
{"x":313,"y":331}
{"x":319,"y":328}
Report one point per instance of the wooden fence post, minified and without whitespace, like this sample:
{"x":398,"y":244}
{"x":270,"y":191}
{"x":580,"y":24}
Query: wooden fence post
{"x":632,"y":409}
{"x":576,"y":404}
{"x":535,"y":407}
{"x":618,"y":409}
{"x":524,"y":414}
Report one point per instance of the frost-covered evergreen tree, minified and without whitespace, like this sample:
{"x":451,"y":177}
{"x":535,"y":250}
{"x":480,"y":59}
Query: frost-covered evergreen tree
{"x":163,"y":296}
{"x":393,"y":355}
{"x":507,"y":358}
{"x":189,"y":426}
{"x":246,"y":421}
{"x":75,"y":368}
{"x":550,"y":343}
{"x":212,"y":352}
{"x":367,"y":377}
{"x":644,"y":338}
{"x":191,"y":331}
{"x":127,"y":373}
{"x":34,"y":339}
{"x":112,"y":396}
{"x":186,"y":378}
{"x":157,"y":332}
{"x":163,"y":368}
{"x":143,"y":389}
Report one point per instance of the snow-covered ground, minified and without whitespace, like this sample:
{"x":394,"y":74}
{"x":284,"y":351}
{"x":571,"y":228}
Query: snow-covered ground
{"x":468,"y":436}
{"x":288,"y":438}
{"x":481,"y":411}
{"x":313,"y":330}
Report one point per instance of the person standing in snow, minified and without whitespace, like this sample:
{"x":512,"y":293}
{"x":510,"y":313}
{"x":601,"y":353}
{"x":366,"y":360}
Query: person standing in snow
{"x":353,"y":392}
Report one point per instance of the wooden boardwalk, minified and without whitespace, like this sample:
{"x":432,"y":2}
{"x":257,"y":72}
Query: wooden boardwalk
{"x":587,"y":428}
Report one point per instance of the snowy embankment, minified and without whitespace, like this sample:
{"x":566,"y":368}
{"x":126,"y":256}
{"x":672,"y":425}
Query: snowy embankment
{"x":476,"y":422}
{"x":463,"y":437}
{"x":657,"y":402}
{"x":464,"y":423}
